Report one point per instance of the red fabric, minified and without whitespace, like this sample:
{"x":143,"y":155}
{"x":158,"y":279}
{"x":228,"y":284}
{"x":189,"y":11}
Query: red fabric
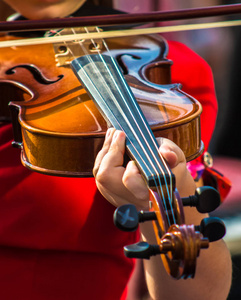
{"x":196,"y":78}
{"x":57,"y":238}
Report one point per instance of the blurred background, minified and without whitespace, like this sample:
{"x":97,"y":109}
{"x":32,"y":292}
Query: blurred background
{"x":221,"y":48}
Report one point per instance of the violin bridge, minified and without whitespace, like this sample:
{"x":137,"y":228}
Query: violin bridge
{"x":66,"y":51}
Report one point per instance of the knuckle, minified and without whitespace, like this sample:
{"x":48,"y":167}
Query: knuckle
{"x":102,"y":176}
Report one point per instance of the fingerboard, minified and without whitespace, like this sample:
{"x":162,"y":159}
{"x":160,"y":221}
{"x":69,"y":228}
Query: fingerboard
{"x":102,"y":78}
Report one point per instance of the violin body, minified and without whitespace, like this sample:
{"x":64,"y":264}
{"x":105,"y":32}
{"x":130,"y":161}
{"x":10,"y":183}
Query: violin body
{"x":58,"y":127}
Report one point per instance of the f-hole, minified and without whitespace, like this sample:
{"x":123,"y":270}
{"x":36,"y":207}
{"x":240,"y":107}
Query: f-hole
{"x":11,"y":91}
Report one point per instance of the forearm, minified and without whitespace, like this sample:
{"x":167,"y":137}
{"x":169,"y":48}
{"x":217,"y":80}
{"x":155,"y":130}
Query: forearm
{"x":213,"y":271}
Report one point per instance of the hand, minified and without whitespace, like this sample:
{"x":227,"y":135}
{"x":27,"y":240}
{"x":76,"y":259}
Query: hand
{"x":120,"y":185}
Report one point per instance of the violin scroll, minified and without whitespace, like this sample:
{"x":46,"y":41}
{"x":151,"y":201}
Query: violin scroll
{"x":179,"y":245}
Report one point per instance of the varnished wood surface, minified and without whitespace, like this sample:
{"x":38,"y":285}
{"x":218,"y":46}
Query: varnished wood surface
{"x":61,"y":130}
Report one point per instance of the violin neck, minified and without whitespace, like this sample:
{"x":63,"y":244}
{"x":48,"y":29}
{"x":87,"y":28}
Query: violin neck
{"x":106,"y":85}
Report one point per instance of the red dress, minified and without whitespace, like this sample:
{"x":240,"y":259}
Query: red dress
{"x":57,"y":238}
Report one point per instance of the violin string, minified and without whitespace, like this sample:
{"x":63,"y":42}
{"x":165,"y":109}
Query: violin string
{"x":147,"y":128}
{"x":93,"y":42}
{"x":149,"y":133}
{"x":159,"y":187}
{"x":91,"y":61}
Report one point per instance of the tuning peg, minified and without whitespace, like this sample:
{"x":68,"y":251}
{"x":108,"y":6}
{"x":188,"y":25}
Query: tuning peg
{"x":171,"y":242}
{"x":141,"y":250}
{"x":206,"y":199}
{"x":213,"y":228}
{"x":127,"y":218}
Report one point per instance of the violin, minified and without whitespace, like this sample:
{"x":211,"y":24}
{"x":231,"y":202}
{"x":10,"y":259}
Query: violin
{"x":57,"y":124}
{"x":60,"y":129}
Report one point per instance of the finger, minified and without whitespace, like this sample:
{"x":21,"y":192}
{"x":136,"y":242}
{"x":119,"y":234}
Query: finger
{"x":171,"y":152}
{"x":112,"y":161}
{"x":105,"y":148}
{"x":115,"y":155}
{"x":135,"y":183}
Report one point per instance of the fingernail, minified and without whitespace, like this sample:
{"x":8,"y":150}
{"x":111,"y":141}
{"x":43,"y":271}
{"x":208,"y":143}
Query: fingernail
{"x":108,"y":133}
{"x":115,"y":136}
